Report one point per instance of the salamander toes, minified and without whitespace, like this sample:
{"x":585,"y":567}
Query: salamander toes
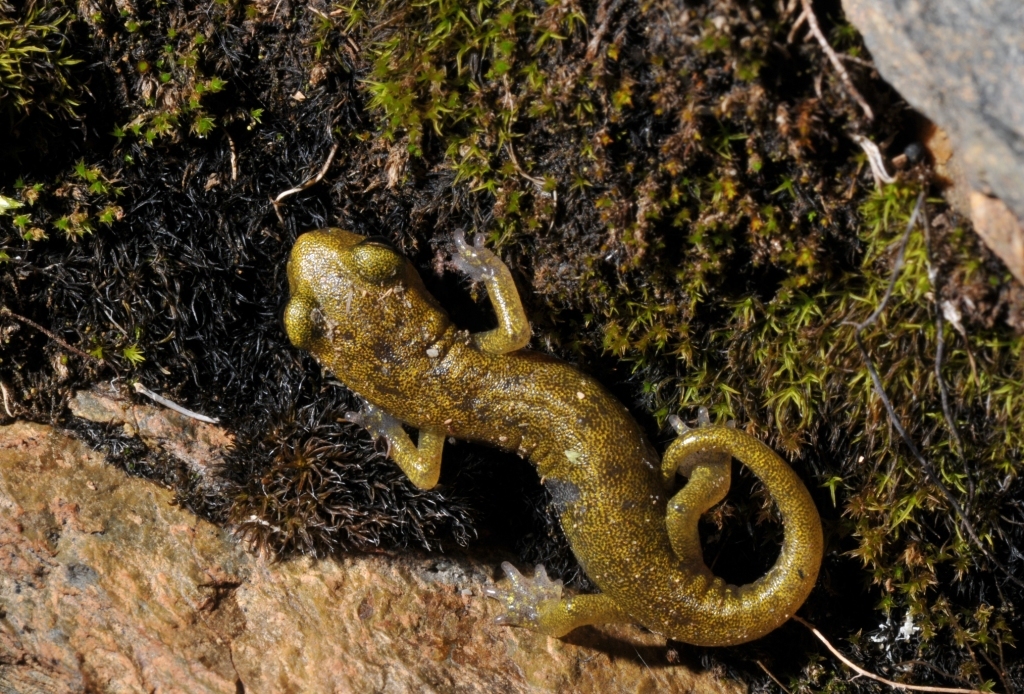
{"x":475,"y":260}
{"x":526,"y":600}
{"x":377,"y":422}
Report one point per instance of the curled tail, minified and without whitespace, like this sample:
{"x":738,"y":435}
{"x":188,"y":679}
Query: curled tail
{"x":713,"y":612}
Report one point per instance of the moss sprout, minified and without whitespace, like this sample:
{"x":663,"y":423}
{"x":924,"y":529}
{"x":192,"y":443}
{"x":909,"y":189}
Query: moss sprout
{"x":35,"y":64}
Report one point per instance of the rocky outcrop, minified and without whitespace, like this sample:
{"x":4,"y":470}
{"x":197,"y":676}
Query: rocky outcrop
{"x":961,"y":64}
{"x":106,"y":586}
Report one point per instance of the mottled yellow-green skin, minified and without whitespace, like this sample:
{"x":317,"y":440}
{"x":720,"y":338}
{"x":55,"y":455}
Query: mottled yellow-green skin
{"x":361,"y":309}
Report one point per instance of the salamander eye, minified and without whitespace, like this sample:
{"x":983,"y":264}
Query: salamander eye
{"x":376,"y":261}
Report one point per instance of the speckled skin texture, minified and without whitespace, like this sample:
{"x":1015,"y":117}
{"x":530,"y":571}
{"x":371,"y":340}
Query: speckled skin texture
{"x":361,"y":309}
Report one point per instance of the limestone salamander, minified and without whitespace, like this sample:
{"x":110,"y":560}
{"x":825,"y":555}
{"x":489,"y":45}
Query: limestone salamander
{"x":361,"y":309}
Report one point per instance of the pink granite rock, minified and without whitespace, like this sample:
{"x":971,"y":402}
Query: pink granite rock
{"x":106,"y":586}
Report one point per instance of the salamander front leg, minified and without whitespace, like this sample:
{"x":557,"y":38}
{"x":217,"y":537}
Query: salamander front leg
{"x":537,"y":603}
{"x":421,"y":462}
{"x":482,"y":265}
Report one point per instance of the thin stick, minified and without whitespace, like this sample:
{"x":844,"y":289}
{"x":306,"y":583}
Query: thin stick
{"x":313,"y":181}
{"x":999,"y":671}
{"x":926,"y":465}
{"x":234,"y":159}
{"x":4,"y":311}
{"x":861,"y":671}
{"x":7,"y":403}
{"x":854,"y":59}
{"x":143,"y":390}
{"x":316,"y":11}
{"x":836,"y":63}
{"x":940,"y":348}
{"x":768,"y":672}
{"x":539,"y":182}
{"x":800,"y":19}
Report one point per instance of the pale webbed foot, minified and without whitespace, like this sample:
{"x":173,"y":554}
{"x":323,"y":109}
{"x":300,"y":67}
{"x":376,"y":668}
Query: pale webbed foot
{"x":673,"y":463}
{"x":527,"y":601}
{"x":476,"y":260}
{"x":482,"y":265}
{"x":376,"y":421}
{"x":537,"y":603}
{"x":703,"y":420}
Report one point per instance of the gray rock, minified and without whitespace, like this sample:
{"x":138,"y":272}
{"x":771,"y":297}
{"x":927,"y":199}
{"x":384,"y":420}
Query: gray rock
{"x":961,"y":64}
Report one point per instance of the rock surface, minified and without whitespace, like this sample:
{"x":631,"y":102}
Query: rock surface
{"x":195,"y":443}
{"x":106,"y":586}
{"x":961,"y":64}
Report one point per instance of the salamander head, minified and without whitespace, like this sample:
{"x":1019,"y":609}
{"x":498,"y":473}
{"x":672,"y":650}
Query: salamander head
{"x":354,"y":297}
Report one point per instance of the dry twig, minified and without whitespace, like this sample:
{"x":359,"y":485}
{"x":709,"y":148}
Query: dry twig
{"x":603,"y":18}
{"x":7,"y":400}
{"x":773,"y":678}
{"x":799,"y":22}
{"x":940,"y":347}
{"x":4,"y":311}
{"x":812,"y":21}
{"x":298,"y":189}
{"x":539,"y":182}
{"x":875,"y":160}
{"x":870,"y":675}
{"x":234,"y":159}
{"x":171,"y":405}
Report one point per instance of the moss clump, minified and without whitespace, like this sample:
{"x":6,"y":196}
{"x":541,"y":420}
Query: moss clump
{"x":72,"y":206}
{"x":35,"y":63}
{"x":173,"y":72}
{"x":671,"y":166}
{"x":906,"y":522}
{"x":43,"y":84}
{"x":328,"y":489}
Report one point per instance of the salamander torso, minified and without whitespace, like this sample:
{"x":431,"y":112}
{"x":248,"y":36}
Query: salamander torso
{"x":361,"y":309}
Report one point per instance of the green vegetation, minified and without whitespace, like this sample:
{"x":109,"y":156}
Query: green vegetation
{"x":175,"y":81}
{"x":71,"y":206}
{"x":464,"y":80}
{"x":35,"y":75}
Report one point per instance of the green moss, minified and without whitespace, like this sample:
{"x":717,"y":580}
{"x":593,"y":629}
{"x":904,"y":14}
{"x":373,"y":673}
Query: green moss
{"x":35,"y":63}
{"x":176,"y":81}
{"x":72,"y":205}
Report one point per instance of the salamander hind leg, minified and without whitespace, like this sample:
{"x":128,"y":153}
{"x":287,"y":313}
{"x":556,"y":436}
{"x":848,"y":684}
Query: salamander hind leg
{"x":708,"y":478}
{"x":726,"y":614}
{"x":537,"y":603}
{"x":421,"y":462}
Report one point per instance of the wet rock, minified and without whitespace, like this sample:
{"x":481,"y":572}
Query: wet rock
{"x":961,"y":64}
{"x":106,"y":586}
